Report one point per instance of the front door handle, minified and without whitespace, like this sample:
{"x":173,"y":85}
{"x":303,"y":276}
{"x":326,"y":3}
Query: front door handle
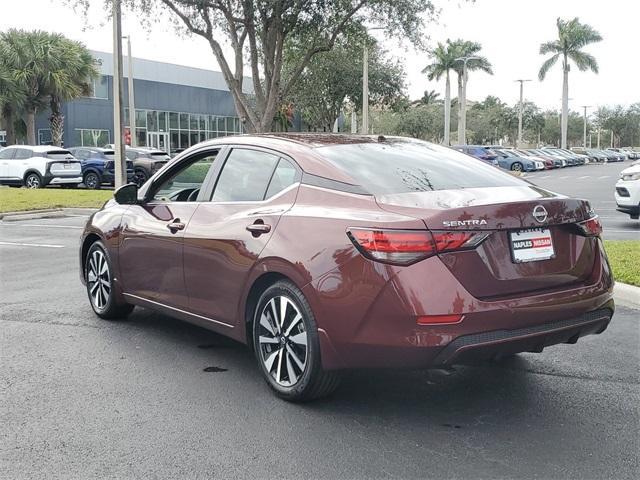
{"x":176,"y":225}
{"x":258,"y":228}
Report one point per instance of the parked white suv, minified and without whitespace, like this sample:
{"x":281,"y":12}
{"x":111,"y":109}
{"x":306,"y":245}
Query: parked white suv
{"x":36,"y":167}
{"x":628,"y":191}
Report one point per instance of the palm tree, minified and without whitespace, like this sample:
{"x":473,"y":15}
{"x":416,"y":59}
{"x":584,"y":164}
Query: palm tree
{"x":71,"y":69}
{"x":444,"y":60}
{"x":48,"y":69}
{"x":430,"y":97}
{"x":572,"y":37}
{"x":464,"y":48}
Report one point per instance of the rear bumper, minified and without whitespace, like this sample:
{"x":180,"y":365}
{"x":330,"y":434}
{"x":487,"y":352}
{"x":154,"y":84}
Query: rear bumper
{"x":495,"y":344}
{"x":63,"y":180}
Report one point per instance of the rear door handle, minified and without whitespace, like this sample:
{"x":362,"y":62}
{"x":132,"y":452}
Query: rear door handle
{"x":258,"y":229}
{"x":176,"y":225}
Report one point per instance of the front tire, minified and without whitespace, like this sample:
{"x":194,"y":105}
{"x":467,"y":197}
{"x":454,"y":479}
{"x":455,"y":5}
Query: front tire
{"x":140,"y":177}
{"x":516,"y":167}
{"x":99,"y":279}
{"x":285,"y":337}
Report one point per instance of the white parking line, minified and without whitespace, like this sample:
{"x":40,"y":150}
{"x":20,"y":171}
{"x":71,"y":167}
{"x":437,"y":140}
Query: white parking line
{"x":42,"y":245}
{"x":563,"y":178}
{"x":585,"y":176}
{"x":604,"y":176}
{"x":16,"y":224}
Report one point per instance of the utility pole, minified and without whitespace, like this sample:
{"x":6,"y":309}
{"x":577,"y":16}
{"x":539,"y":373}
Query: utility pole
{"x":118,"y":130}
{"x":520,"y":107}
{"x":463,"y":101}
{"x":584,"y":126}
{"x":132,"y":103}
{"x":365,"y":89}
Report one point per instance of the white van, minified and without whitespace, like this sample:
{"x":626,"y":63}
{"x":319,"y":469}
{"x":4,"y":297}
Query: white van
{"x":39,"y":166}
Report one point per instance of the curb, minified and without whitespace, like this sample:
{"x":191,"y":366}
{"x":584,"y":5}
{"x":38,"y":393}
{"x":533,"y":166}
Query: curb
{"x":627,"y":295}
{"x":47,"y":213}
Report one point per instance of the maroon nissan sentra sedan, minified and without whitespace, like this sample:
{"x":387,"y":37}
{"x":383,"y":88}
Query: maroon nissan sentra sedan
{"x":330,"y":252}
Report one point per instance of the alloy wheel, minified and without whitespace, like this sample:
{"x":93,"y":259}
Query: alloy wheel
{"x":516,"y":167}
{"x":99,"y":280}
{"x":91,"y":181}
{"x":33,"y":181}
{"x":282,"y":339}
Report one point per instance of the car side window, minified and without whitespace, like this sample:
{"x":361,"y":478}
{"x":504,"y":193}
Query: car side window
{"x":184,"y":184}
{"x":23,"y":154}
{"x":7,"y":153}
{"x":285,"y":174}
{"x":245,"y":176}
{"x":130,"y":155}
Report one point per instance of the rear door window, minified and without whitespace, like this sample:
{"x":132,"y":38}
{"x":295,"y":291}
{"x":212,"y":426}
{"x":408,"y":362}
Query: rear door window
{"x":23,"y":154}
{"x":402,"y":166}
{"x":59,"y":154}
{"x":245,"y":176}
{"x":284,"y":175}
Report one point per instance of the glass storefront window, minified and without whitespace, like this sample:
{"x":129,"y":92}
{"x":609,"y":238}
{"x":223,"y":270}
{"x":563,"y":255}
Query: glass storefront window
{"x":162,"y":121}
{"x":193,"y":123}
{"x":86,"y":137}
{"x":184,"y":139}
{"x":194,"y":138}
{"x":141,"y":134}
{"x":184,"y":121}
{"x":173,"y":120}
{"x":141,"y":119}
{"x":152,"y":120}
{"x":203,"y":122}
{"x":174,"y":140}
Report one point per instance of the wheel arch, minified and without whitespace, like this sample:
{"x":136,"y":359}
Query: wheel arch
{"x":31,"y":170}
{"x":89,"y":240}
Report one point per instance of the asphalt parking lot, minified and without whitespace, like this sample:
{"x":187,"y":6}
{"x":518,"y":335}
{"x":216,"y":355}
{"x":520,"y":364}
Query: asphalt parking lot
{"x":155,"y":398}
{"x":595,"y":182}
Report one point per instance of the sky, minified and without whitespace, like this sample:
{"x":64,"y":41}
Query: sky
{"x":510,"y":32}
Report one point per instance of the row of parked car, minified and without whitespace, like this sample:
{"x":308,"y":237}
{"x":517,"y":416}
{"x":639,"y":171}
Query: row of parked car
{"x":545,"y":158}
{"x":42,"y":165}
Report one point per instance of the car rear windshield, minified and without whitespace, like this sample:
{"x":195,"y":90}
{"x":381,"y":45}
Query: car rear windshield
{"x":58,"y":154}
{"x":401,"y":166}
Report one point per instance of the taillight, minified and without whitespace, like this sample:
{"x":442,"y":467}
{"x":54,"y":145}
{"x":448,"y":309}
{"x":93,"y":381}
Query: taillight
{"x":404,"y":247}
{"x":591,"y":227}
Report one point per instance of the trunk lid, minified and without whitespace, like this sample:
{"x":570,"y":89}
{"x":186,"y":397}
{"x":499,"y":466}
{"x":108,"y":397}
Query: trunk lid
{"x":489,"y":270}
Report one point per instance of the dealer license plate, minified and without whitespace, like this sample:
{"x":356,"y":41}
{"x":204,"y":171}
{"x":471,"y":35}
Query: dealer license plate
{"x":531,"y":245}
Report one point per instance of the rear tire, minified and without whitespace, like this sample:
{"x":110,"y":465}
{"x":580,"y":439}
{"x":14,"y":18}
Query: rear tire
{"x":33,"y":180}
{"x":285,"y":336}
{"x":99,"y":279}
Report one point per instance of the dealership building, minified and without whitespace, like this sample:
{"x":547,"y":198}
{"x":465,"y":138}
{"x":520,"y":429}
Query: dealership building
{"x":175,"y":107}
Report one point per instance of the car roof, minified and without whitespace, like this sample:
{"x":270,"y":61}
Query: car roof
{"x":39,"y":148}
{"x":94,"y":149}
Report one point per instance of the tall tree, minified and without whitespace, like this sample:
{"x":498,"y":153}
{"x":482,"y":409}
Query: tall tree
{"x":463,"y":48}
{"x":257,"y":32}
{"x":70,"y":71}
{"x":444,"y":61}
{"x":333,"y":78}
{"x":12,"y":96}
{"x":573,"y":36}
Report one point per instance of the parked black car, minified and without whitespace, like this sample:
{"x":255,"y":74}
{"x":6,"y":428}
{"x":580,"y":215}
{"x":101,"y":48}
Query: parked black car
{"x":98,"y":166}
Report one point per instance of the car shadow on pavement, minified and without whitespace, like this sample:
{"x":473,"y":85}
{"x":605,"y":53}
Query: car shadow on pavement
{"x":449,"y":396}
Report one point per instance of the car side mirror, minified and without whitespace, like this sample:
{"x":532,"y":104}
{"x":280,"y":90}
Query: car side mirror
{"x":127,"y":194}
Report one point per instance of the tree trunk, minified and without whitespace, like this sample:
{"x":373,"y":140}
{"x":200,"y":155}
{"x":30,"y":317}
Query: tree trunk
{"x":31,"y":127}
{"x":10,"y":127}
{"x":447,"y":111}
{"x":460,"y":95}
{"x":565,"y":104}
{"x":56,"y":122}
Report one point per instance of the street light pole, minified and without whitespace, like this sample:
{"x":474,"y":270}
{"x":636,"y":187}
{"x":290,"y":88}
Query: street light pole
{"x":520,"y":111}
{"x":132,"y":103}
{"x":120,"y":169}
{"x":365,"y":89}
{"x":463,"y":101}
{"x":584,"y":126}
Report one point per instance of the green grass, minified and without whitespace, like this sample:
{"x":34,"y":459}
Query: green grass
{"x":624,"y":257}
{"x":23,"y":199}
